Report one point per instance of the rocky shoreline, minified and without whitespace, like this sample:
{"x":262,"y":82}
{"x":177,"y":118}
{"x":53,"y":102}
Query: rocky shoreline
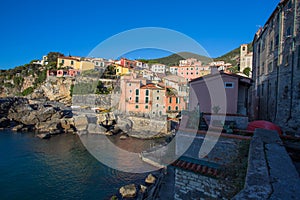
{"x":41,"y":116}
{"x":48,"y":118}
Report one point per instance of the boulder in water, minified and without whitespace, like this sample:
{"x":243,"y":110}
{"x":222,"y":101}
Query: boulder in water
{"x":128,"y":191}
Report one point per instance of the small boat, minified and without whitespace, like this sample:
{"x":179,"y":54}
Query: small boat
{"x":263,"y":125}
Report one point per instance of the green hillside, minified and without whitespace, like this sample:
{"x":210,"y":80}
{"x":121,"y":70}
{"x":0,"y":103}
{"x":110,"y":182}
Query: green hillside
{"x":233,"y":56}
{"x":230,"y":57}
{"x":175,"y":58}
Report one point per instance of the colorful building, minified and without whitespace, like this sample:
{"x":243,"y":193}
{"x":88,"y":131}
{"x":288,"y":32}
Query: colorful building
{"x":236,"y":93}
{"x":127,"y":63}
{"x":158,"y":68}
{"x":173,"y":102}
{"x":122,"y":70}
{"x":139,"y":96}
{"x":74,"y":62}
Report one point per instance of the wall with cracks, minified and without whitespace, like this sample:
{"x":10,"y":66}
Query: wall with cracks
{"x":271,"y":173}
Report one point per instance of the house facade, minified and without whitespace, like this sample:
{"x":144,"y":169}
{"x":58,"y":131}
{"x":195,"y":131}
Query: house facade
{"x":158,"y":68}
{"x":276,"y":68}
{"x":74,"y":62}
{"x":236,"y":93}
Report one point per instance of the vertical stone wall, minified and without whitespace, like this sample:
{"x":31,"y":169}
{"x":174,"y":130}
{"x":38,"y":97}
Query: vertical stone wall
{"x":276,"y":68}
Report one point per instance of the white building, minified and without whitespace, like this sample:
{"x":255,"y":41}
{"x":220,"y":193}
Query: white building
{"x":158,"y":68}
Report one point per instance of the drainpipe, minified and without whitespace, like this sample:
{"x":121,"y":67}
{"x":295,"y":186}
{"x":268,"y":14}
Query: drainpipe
{"x":293,"y":58}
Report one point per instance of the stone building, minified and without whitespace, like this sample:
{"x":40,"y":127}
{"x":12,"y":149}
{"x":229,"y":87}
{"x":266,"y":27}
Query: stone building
{"x":276,"y":68}
{"x":245,"y":58}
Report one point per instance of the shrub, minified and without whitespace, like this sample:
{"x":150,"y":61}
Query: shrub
{"x":28,"y":91}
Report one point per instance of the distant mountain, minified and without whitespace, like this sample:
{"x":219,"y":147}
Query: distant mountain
{"x":233,"y":56}
{"x":174,"y":59}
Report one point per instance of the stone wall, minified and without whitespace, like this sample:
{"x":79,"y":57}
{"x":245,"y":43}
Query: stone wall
{"x":271,"y":173}
{"x":275,"y":94}
{"x":241,"y":122}
{"x":92,"y":100}
{"x":189,"y":185}
{"x":147,"y":127}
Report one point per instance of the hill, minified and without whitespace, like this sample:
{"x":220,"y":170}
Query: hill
{"x":233,"y":56}
{"x":175,"y":58}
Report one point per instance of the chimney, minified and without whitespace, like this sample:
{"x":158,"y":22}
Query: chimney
{"x":214,"y":69}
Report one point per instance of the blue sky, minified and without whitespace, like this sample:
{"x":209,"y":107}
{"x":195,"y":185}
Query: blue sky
{"x":31,"y":29}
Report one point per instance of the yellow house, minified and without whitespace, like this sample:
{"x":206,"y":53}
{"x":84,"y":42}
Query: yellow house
{"x":64,"y":62}
{"x":121,"y":70}
{"x":75,"y":63}
{"x":86,"y":65}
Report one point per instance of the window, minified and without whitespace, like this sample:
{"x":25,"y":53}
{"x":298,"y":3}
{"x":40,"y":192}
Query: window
{"x":147,"y":92}
{"x":72,"y":62}
{"x":276,"y":40}
{"x":146,"y":107}
{"x":62,"y":61}
{"x":137,"y":92}
{"x":160,"y":113}
{"x":170,"y":100}
{"x":169,"y":108}
{"x":177,"y":100}
{"x":157,"y":91}
{"x":271,"y":47}
{"x":130,"y":98}
{"x":157,"y":105}
{"x":129,"y":84}
{"x":176,"y":108}
{"x":147,"y":100}
{"x":130,"y":91}
{"x":229,"y":84}
{"x":270,"y":67}
{"x":136,"y":99}
{"x":136,"y":106}
{"x":157,"y":98}
{"x":289,"y":31}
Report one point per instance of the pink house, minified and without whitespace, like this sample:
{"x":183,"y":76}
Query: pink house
{"x":190,"y":72}
{"x":127,"y":63}
{"x":139,"y":96}
{"x":63,"y":73}
{"x":236,"y":93}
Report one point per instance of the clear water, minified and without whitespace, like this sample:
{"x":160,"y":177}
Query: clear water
{"x":58,"y":168}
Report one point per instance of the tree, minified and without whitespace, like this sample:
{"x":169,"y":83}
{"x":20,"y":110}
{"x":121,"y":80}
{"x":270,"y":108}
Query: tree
{"x":234,"y":69}
{"x":101,"y":89}
{"x":247,"y":71}
{"x":52,"y":56}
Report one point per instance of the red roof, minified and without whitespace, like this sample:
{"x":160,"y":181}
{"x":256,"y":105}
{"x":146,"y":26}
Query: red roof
{"x":151,"y":86}
{"x":69,"y":58}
